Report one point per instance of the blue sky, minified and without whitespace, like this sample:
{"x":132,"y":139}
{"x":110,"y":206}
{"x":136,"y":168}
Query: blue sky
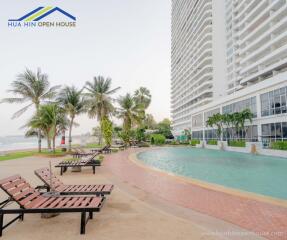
{"x":127,"y":40}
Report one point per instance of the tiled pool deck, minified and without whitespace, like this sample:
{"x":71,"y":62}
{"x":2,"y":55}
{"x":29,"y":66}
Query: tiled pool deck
{"x":267,"y":219}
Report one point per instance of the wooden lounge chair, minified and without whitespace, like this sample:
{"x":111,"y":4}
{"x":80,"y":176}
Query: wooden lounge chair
{"x":45,"y":175}
{"x":105,"y":149}
{"x":83,"y":162}
{"x":32,"y":201}
{"x":79,"y":153}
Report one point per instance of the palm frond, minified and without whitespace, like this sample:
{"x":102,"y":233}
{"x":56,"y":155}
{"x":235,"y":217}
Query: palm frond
{"x":13,"y":100}
{"x":21,"y":111}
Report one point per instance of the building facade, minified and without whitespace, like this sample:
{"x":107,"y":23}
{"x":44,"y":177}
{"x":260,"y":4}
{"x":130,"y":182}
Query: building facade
{"x":247,"y":53}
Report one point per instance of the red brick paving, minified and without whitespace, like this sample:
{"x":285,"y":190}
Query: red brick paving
{"x":255,"y":216}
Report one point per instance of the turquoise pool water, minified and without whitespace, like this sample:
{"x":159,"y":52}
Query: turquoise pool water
{"x":258,"y":174}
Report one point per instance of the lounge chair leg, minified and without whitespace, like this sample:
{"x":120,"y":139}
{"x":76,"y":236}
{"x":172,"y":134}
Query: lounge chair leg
{"x":94,"y":169}
{"x":61,"y":171}
{"x":91,"y":215}
{"x":83,"y":222}
{"x":21,"y":217}
{"x":1,"y":223}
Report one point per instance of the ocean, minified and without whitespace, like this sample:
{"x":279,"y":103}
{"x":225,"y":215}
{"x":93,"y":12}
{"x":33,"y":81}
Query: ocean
{"x":9,"y":143}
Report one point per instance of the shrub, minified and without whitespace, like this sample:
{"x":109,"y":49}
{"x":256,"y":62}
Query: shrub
{"x":143,"y":144}
{"x":157,"y":139}
{"x":193,"y":142}
{"x":279,"y":145}
{"x":212,"y":142}
{"x":174,"y":142}
{"x":107,"y":130}
{"x":236,"y":143}
{"x":101,"y":158}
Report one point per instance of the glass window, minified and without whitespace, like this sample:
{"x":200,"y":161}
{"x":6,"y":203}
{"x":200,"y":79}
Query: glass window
{"x":274,"y":102}
{"x":278,"y":130}
{"x":266,"y":130}
{"x":249,"y":103}
{"x":255,"y":132}
{"x":284,"y":129}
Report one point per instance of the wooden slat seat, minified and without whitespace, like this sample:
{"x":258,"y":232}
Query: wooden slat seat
{"x":87,"y":161}
{"x":98,"y":189}
{"x":32,"y":201}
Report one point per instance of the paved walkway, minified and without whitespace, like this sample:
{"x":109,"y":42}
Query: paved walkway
{"x":124,"y":216}
{"x":259,"y":217}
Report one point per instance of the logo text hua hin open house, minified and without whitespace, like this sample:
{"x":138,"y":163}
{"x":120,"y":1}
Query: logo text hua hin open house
{"x":36,"y":18}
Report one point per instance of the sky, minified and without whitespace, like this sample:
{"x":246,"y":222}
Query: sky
{"x":127,"y":40}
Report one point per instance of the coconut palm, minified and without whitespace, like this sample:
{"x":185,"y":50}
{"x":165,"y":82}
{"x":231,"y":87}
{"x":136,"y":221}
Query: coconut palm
{"x":31,"y":88}
{"x":99,"y":100}
{"x":216,"y":120}
{"x":52,"y":118}
{"x":243,"y":116}
{"x":128,"y":111}
{"x":42,"y":122}
{"x":72,"y":100}
{"x":149,"y":121}
{"x":142,"y":97}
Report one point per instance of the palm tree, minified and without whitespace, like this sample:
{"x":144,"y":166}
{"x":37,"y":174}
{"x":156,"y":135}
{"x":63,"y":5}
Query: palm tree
{"x":216,"y":120}
{"x":42,"y":122}
{"x":74,"y":104}
{"x":243,"y":116}
{"x":149,"y":121}
{"x":142,"y":98}
{"x":33,"y":88}
{"x":52,"y":118}
{"x":128,"y":111}
{"x":100,"y":102}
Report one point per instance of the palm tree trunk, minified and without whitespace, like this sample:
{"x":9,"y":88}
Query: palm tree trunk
{"x":39,"y":140}
{"x":49,"y":143}
{"x":70,"y":134}
{"x":54,"y":144}
{"x":39,"y":131}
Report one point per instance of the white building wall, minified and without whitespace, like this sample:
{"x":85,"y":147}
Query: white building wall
{"x":224,"y":51}
{"x":218,"y":49}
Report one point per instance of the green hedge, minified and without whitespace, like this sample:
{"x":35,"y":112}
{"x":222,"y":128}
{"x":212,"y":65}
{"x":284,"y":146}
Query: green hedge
{"x":279,"y":145}
{"x":236,"y":143}
{"x":193,"y":142}
{"x":157,"y":139}
{"x":212,"y":142}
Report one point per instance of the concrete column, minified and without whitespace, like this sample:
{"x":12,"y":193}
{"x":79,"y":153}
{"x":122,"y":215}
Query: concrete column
{"x":258,"y":109}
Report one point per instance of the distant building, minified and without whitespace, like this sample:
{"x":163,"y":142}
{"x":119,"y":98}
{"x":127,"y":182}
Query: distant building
{"x":228,"y":55}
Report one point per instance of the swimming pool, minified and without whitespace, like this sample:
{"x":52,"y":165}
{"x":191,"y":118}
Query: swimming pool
{"x":253,"y":173}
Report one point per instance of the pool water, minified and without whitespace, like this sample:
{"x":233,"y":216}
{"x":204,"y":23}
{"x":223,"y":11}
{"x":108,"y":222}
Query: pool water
{"x":253,"y":173}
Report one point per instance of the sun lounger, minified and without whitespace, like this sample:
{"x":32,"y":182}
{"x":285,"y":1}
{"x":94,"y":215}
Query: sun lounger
{"x":32,"y":201}
{"x":45,"y":175}
{"x":105,"y":149}
{"x":79,"y":153}
{"x":84,"y":162}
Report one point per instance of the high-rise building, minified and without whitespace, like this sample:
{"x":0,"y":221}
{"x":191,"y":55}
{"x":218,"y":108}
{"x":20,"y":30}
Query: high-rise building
{"x":197,"y":57}
{"x":228,"y":55}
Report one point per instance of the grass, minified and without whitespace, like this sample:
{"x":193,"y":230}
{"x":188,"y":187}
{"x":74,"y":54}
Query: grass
{"x":22,"y":154}
{"x":279,"y":145}
{"x":236,"y":143}
{"x":15,"y":155}
{"x":93,"y":145}
{"x":212,"y":142}
{"x":193,"y":142}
